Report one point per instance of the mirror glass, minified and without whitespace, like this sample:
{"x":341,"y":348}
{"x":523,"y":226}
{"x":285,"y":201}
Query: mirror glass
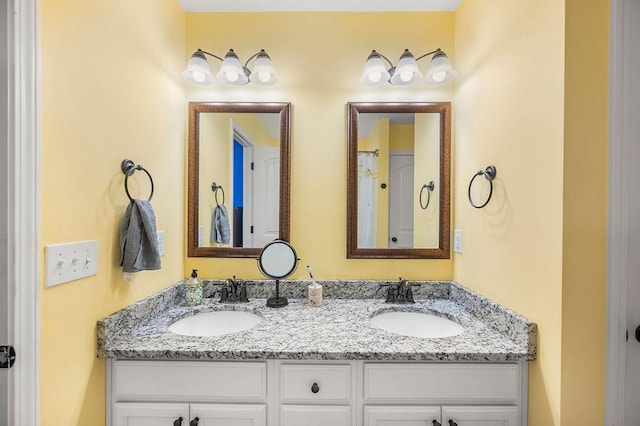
{"x":238,"y":177}
{"x":398,"y":180}
{"x":277,"y":260}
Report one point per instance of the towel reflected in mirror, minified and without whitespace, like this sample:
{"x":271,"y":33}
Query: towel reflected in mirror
{"x":220,"y":231}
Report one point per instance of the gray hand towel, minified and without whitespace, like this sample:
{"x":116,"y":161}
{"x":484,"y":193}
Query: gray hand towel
{"x":139,"y":238}
{"x":220,"y":232}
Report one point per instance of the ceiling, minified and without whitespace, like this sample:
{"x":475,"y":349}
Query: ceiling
{"x":319,"y":5}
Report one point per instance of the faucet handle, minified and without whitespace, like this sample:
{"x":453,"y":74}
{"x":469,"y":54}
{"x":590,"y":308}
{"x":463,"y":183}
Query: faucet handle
{"x":391,"y":292}
{"x":243,"y":293}
{"x":224,"y":293}
{"x":409,"y":295}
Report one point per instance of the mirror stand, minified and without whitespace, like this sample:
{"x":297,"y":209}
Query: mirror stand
{"x":277,"y":260}
{"x":277,"y":301}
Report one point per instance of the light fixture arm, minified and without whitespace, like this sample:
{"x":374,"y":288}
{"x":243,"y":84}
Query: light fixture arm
{"x":254,"y":56}
{"x":434,"y":53}
{"x":210,"y":54}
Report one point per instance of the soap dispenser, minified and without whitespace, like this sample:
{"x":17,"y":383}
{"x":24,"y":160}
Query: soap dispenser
{"x":193,"y":293}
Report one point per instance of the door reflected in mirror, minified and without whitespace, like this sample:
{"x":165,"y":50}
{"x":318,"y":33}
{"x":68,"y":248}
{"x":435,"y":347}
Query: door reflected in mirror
{"x":238,"y":178}
{"x":398,"y":192}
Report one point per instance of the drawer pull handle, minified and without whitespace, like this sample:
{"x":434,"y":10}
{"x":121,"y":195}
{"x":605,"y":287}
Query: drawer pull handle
{"x":315,"y":388}
{"x":177,"y":422}
{"x":436,"y":423}
{"x":194,"y":422}
{"x":452,"y":423}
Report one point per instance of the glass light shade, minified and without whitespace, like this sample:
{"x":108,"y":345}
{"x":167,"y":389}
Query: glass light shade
{"x":264,"y":73}
{"x":407,"y":71}
{"x":231,"y":70}
{"x":440,"y":70}
{"x":198,"y":70}
{"x":374,"y":73}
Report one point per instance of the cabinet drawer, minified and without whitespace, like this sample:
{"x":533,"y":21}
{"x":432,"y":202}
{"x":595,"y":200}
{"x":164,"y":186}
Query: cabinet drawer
{"x":310,"y":415}
{"x":490,"y":383}
{"x":333,"y":383}
{"x":189,"y":381}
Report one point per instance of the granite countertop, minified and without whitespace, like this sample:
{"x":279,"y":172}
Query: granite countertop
{"x":337,"y":330}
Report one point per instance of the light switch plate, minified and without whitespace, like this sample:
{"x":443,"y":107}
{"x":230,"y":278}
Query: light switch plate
{"x":70,"y":261}
{"x":457,"y":241}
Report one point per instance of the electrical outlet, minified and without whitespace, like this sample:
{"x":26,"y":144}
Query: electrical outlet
{"x":457,"y":241}
{"x":70,"y":262}
{"x":161,"y":247}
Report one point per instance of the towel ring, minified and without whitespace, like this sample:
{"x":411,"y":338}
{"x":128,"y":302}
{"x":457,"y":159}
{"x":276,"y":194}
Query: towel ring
{"x":430,"y":186}
{"x":128,"y":167}
{"x":214,"y":188}
{"x":489,"y":173}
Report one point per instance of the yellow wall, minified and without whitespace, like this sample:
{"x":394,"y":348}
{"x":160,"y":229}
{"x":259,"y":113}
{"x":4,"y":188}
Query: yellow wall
{"x":537,"y":247}
{"x":110,"y":89}
{"x":319,"y":57}
{"x":426,"y":225}
{"x":585,"y":212}
{"x":508,"y":111}
{"x":401,"y":137}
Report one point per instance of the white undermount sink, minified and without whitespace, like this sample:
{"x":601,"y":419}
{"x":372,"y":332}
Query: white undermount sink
{"x":416,"y":324}
{"x":215,"y":323}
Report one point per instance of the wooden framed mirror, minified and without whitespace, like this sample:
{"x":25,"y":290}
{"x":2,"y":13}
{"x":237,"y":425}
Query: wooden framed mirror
{"x":239,"y":159}
{"x":398,"y":180}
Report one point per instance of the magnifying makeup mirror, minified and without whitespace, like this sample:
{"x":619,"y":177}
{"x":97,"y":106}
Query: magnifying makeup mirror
{"x":277,"y":260}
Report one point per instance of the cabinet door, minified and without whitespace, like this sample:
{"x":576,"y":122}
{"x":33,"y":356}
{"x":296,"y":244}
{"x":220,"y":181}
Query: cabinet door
{"x":149,"y":414}
{"x":229,"y":414}
{"x":480,"y":416}
{"x":315,"y":415}
{"x":405,"y":416}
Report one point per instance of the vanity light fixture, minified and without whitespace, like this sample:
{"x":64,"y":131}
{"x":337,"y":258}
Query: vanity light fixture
{"x":406,"y":72}
{"x":231,"y":71}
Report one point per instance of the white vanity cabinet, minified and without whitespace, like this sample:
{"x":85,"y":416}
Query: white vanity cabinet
{"x":157,"y":393}
{"x":485,"y":416}
{"x":450,"y":394}
{"x":404,"y":415}
{"x":158,"y":414}
{"x":150,"y":414}
{"x":437,"y":415}
{"x":316,"y":393}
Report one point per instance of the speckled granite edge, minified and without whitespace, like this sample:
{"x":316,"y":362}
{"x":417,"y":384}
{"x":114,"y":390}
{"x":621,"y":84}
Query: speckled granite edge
{"x":122,"y":322}
{"x":505,"y":321}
